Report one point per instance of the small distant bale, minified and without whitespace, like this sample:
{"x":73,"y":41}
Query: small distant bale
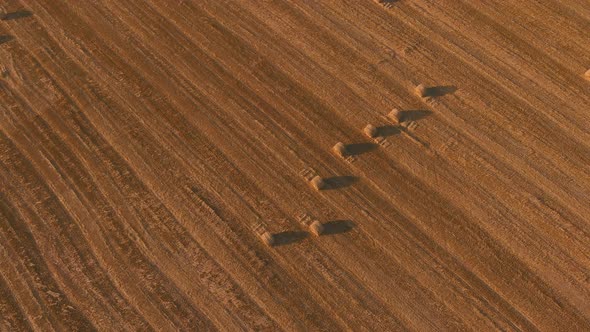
{"x":395,"y":115}
{"x":371,"y":131}
{"x":587,"y":74}
{"x":316,"y":228}
{"x":340,"y":149}
{"x":318,"y":183}
{"x":421,"y":91}
{"x":268,"y":239}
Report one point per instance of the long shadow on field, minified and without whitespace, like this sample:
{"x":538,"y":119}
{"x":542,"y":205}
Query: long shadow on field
{"x":5,"y":39}
{"x":337,"y":227}
{"x":360,"y":148}
{"x":17,"y":15}
{"x":338,"y":182}
{"x":439,"y":91}
{"x":415,"y":115}
{"x":386,"y":131}
{"x":288,"y":237}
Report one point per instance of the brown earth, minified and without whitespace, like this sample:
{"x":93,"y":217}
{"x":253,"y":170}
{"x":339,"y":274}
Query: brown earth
{"x":142,"y":140}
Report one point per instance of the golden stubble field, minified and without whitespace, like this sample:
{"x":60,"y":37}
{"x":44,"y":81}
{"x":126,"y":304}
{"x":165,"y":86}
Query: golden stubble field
{"x":156,"y":158}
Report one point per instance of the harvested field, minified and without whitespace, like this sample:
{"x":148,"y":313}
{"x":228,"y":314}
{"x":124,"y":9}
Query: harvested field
{"x":157,"y":162}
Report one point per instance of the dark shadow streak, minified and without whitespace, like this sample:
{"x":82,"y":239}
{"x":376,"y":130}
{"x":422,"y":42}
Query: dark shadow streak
{"x":5,"y":39}
{"x":16,"y":15}
{"x":288,"y":237}
{"x":338,"y":182}
{"x":337,"y":227}
{"x":415,"y":115}
{"x":439,"y":91}
{"x":360,"y":148}
{"x":386,"y":131}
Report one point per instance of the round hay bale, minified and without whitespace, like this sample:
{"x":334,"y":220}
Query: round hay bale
{"x":395,"y":115}
{"x":421,"y":91}
{"x":371,"y":131}
{"x":587,"y":74}
{"x":268,"y":239}
{"x":318,"y":183}
{"x":339,"y":149}
{"x":316,"y":228}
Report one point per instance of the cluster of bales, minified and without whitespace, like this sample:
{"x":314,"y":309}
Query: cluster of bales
{"x":318,"y":183}
{"x":396,"y":116}
{"x":340,"y":149}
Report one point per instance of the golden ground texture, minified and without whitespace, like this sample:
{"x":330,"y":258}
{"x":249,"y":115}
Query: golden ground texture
{"x":155,"y":158}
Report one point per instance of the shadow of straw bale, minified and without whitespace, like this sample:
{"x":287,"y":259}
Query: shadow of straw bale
{"x":16,"y":15}
{"x":360,"y":148}
{"x":337,"y":227}
{"x":338,"y":182}
{"x":288,"y":237}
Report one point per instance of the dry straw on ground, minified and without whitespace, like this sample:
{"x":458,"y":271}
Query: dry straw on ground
{"x":395,"y":115}
{"x":371,"y":131}
{"x":339,"y":149}
{"x":318,"y":183}
{"x":267,"y":238}
{"x":421,"y":90}
{"x":316,"y":228}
